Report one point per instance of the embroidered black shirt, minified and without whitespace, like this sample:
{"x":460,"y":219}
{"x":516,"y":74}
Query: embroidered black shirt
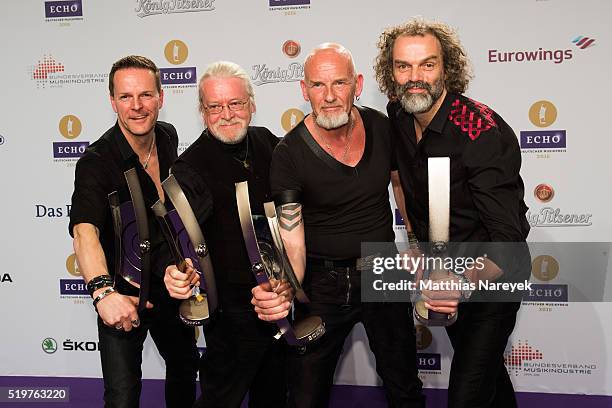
{"x":486,"y":190}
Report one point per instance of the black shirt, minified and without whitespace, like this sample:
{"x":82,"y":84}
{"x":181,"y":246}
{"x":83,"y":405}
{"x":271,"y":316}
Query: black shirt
{"x":486,"y":190}
{"x":342,"y":206}
{"x":100,"y":172}
{"x":207,"y":172}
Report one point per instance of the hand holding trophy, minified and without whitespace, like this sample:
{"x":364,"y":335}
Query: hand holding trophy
{"x":194,"y":309}
{"x":270,"y":266}
{"x":437,"y":306}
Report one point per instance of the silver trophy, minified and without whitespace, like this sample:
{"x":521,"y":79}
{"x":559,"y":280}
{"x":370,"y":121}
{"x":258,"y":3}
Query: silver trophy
{"x":132,"y":244}
{"x":186,"y":240}
{"x":439,"y":221}
{"x":269,"y":263}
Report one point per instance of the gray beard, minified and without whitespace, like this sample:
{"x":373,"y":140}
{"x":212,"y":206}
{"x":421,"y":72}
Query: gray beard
{"x":240,"y":137}
{"x":332,"y":122}
{"x":419,"y":103}
{"x":413,"y":103}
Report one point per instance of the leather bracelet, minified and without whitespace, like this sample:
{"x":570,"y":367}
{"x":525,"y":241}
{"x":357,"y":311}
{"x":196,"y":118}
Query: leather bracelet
{"x":99,"y":282}
{"x":101,"y":296}
{"x":413,"y":242}
{"x":465,"y":292}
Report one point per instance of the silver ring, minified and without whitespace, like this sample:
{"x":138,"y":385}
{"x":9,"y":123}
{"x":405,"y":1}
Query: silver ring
{"x":136,"y":323}
{"x":119,"y":326}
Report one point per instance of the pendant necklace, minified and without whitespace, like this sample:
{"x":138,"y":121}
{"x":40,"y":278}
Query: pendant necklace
{"x":348,"y":142}
{"x":146,"y":162}
{"x":244,"y":162}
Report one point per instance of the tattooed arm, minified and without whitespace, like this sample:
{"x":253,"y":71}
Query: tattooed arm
{"x":292,"y":232}
{"x":271,"y":305}
{"x":285,"y":186}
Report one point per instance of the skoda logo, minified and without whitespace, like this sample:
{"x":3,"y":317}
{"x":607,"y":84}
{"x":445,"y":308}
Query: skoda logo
{"x":49,"y":345}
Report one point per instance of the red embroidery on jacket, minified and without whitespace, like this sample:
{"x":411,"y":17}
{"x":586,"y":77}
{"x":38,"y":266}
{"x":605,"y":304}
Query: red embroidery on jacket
{"x":473,"y":122}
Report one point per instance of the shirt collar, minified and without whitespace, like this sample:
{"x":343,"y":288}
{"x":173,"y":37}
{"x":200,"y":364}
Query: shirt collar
{"x":127,"y":153}
{"x":441,"y":116}
{"x":124,"y":147}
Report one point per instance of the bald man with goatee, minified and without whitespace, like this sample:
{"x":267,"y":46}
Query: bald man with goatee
{"x":329,"y":180}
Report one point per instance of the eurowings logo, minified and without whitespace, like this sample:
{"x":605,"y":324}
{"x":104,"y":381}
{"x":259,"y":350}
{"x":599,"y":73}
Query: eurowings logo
{"x":583,"y":42}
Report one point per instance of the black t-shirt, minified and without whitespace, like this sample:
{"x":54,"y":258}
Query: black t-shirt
{"x":100,"y":172}
{"x":342,"y":206}
{"x":207,"y":172}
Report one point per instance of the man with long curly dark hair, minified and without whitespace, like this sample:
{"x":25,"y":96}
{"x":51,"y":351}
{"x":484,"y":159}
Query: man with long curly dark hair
{"x":424,"y":70}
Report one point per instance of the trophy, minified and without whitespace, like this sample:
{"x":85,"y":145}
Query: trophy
{"x":269,"y":263}
{"x":439,"y":220}
{"x":185,"y":238}
{"x":132,"y":245}
{"x":193,"y":311}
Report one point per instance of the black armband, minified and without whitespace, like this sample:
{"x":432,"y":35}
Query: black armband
{"x":287,"y":196}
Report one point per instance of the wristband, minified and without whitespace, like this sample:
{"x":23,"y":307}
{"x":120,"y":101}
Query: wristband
{"x":99,"y":282}
{"x":413,"y":242}
{"x":101,"y":296}
{"x":466,"y":291}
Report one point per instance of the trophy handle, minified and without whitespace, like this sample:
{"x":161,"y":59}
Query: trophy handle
{"x":421,"y":313}
{"x":196,"y":236}
{"x":193,"y":311}
{"x":113,"y":199}
{"x":144,"y":243}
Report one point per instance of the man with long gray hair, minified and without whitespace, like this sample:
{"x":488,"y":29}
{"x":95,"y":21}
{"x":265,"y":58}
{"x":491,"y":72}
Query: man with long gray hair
{"x":241,"y":354}
{"x":423,"y":69}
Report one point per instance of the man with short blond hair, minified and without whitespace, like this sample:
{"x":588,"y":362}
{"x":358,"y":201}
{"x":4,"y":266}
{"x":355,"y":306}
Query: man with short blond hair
{"x":138,"y":140}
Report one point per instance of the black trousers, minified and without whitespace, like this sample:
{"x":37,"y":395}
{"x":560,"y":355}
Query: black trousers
{"x":335,"y":297}
{"x":121,"y":355}
{"x":478,"y":377}
{"x":242,"y":356}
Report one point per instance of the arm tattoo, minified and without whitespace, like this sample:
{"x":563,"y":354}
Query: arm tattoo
{"x":290,"y":216}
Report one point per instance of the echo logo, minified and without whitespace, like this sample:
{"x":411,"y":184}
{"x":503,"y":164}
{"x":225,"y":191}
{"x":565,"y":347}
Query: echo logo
{"x":176,"y":52}
{"x":70,"y":126}
{"x":290,"y":118}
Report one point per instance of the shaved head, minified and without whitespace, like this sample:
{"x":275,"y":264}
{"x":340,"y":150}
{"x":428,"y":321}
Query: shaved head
{"x":328,"y":49}
{"x":331,"y":84}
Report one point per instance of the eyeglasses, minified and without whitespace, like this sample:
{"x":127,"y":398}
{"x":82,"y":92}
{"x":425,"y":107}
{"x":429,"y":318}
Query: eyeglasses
{"x":234,"y":106}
